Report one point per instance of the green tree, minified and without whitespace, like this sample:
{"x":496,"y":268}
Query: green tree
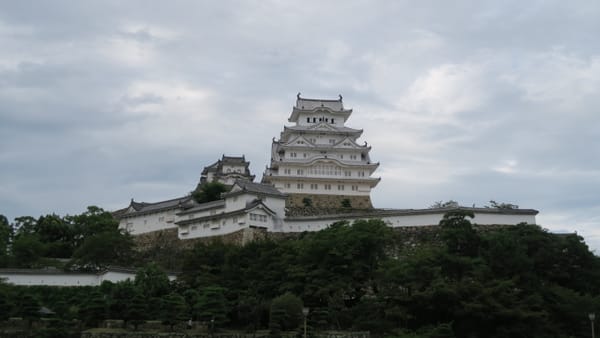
{"x":447,"y":204}
{"x":136,"y":309}
{"x":212,"y":306}
{"x":152,"y":281}
{"x":6,"y":234}
{"x":209,"y":192}
{"x":57,"y":235}
{"x":27,"y":250}
{"x":93,"y":310}
{"x":100,"y":250}
{"x":458,"y":233}
{"x":286,"y":311}
{"x":27,"y":307}
{"x":173,"y":310}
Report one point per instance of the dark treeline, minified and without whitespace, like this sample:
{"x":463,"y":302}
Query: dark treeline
{"x":88,"y":241}
{"x":520,"y":281}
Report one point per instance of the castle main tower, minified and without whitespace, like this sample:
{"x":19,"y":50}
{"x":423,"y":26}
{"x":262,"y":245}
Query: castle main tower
{"x":318,"y":162}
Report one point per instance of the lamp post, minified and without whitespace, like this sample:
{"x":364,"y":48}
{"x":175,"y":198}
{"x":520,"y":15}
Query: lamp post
{"x":305,"y":313}
{"x":592,"y":317}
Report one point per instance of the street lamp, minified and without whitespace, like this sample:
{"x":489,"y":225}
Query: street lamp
{"x":592,"y":317}
{"x":305,"y":313}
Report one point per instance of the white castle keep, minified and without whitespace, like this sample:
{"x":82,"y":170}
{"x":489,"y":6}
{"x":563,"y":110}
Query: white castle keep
{"x":318,"y":161}
{"x":319,"y":174}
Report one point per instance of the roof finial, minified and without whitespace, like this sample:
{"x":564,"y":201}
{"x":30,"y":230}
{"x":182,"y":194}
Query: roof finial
{"x":298,"y":96}
{"x":340,"y":95}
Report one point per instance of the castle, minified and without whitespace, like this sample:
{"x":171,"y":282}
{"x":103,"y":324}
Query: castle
{"x":318,"y":174}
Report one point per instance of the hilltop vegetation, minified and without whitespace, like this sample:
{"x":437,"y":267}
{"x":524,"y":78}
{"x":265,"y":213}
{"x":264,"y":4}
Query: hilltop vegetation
{"x":520,"y":281}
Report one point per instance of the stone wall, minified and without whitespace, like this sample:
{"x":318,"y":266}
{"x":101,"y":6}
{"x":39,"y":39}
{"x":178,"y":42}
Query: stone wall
{"x":329,"y":201}
{"x":164,"y":239}
{"x":94,"y":333}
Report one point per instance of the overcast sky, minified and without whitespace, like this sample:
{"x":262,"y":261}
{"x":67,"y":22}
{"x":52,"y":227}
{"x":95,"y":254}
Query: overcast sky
{"x":104,"y":101}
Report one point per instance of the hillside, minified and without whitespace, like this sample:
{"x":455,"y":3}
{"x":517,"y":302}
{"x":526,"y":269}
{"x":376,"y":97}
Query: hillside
{"x":456,"y":281}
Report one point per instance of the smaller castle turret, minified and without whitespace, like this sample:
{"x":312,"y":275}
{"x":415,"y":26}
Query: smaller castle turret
{"x":227,"y":170}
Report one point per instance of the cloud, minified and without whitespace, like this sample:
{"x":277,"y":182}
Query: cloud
{"x":104,"y":101}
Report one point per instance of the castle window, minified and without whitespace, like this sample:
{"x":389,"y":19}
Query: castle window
{"x":327,"y":186}
{"x":304,"y":155}
{"x":332,"y":120}
{"x":287,"y":185}
{"x":300,"y":172}
{"x":308,"y":120}
{"x":326,"y":120}
{"x":340,"y":187}
{"x":300,"y":185}
{"x":194,"y":227}
{"x":355,"y":188}
{"x":347,"y":173}
{"x":314,"y":119}
{"x":331,"y":141}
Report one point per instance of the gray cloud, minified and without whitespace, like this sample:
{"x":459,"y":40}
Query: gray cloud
{"x":104,"y":101}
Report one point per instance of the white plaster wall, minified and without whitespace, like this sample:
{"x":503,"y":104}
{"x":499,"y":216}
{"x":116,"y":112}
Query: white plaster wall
{"x":51,"y":279}
{"x":149,"y":222}
{"x":115,"y":276}
{"x":222,"y":226}
{"x":68,"y":279}
{"x":411,"y":220}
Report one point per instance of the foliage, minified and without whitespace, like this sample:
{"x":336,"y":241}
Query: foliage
{"x":286,"y":312}
{"x":95,"y":254}
{"x":208,"y":192}
{"x":173,"y":309}
{"x":447,"y":204}
{"x":211,"y":306}
{"x":518,"y":281}
{"x":307,"y":202}
{"x":346,"y":203}
{"x":152,"y":281}
{"x":500,"y":205}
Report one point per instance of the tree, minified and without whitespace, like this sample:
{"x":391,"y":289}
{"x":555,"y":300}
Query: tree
{"x":458,"y":234}
{"x":57,"y":235}
{"x":93,"y":310}
{"x":286,"y":311}
{"x":447,"y":204}
{"x":173,"y":310}
{"x":27,"y":250}
{"x":152,"y":281}
{"x":27,"y":307}
{"x":6,"y":234}
{"x":100,"y":250}
{"x":212,"y":306}
{"x":135,"y":311}
{"x":494,"y":204}
{"x":209,"y":192}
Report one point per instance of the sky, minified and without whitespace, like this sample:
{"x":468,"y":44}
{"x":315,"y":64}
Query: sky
{"x":472,"y":101}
